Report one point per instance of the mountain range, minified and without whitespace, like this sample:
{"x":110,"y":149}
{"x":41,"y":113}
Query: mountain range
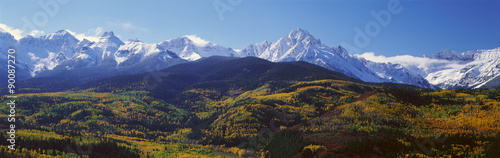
{"x":61,"y":53}
{"x":470,"y":69}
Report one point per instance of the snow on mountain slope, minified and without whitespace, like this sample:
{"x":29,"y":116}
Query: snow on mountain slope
{"x":84,"y":56}
{"x":46,"y":52}
{"x":474,"y":70}
{"x":299,"y":45}
{"x":448,"y":69}
{"x":7,"y":41}
{"x":452,"y":55}
{"x":193,"y":48}
{"x":59,"y":42}
{"x":255,"y":49}
{"x":397,"y":73}
{"x":107,"y":45}
{"x":493,"y":83}
{"x":62,"y":51}
{"x":133,"y":52}
{"x":132,"y":56}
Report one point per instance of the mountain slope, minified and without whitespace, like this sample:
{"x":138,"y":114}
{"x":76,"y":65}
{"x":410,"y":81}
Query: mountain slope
{"x":7,"y":41}
{"x":44,"y":53}
{"x":299,"y":45}
{"x":193,"y":48}
{"x":493,"y":83}
{"x":221,"y":73}
{"x":471,"y":70}
{"x":59,"y":52}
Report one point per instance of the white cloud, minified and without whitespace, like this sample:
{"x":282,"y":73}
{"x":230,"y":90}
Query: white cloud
{"x":424,"y":65}
{"x":17,"y":33}
{"x":128,"y":26}
{"x":197,"y":40}
{"x":404,"y":60}
{"x":36,"y":33}
{"x":95,"y":32}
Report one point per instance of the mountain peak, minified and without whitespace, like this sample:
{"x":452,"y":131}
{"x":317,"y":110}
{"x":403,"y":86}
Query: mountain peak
{"x":446,"y":51}
{"x":108,"y":34}
{"x":446,"y":54}
{"x":61,"y":34}
{"x":302,"y":35}
{"x":109,"y":37}
{"x":199,"y":42}
{"x":298,"y":33}
{"x":299,"y":30}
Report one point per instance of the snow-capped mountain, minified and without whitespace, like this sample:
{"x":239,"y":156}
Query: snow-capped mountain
{"x":46,"y":52}
{"x":112,"y":54}
{"x":107,"y":45}
{"x":61,"y":51}
{"x":84,"y":55}
{"x":397,"y":73}
{"x":135,"y":52}
{"x":470,"y":69}
{"x":255,"y":49}
{"x":452,"y":55}
{"x":299,"y":45}
{"x":7,"y":41}
{"x":193,"y":48}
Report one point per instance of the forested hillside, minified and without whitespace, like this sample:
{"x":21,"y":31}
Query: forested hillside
{"x":253,"y":109}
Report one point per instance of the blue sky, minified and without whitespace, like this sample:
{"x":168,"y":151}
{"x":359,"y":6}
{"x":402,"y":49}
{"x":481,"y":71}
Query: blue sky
{"x":421,"y":26}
